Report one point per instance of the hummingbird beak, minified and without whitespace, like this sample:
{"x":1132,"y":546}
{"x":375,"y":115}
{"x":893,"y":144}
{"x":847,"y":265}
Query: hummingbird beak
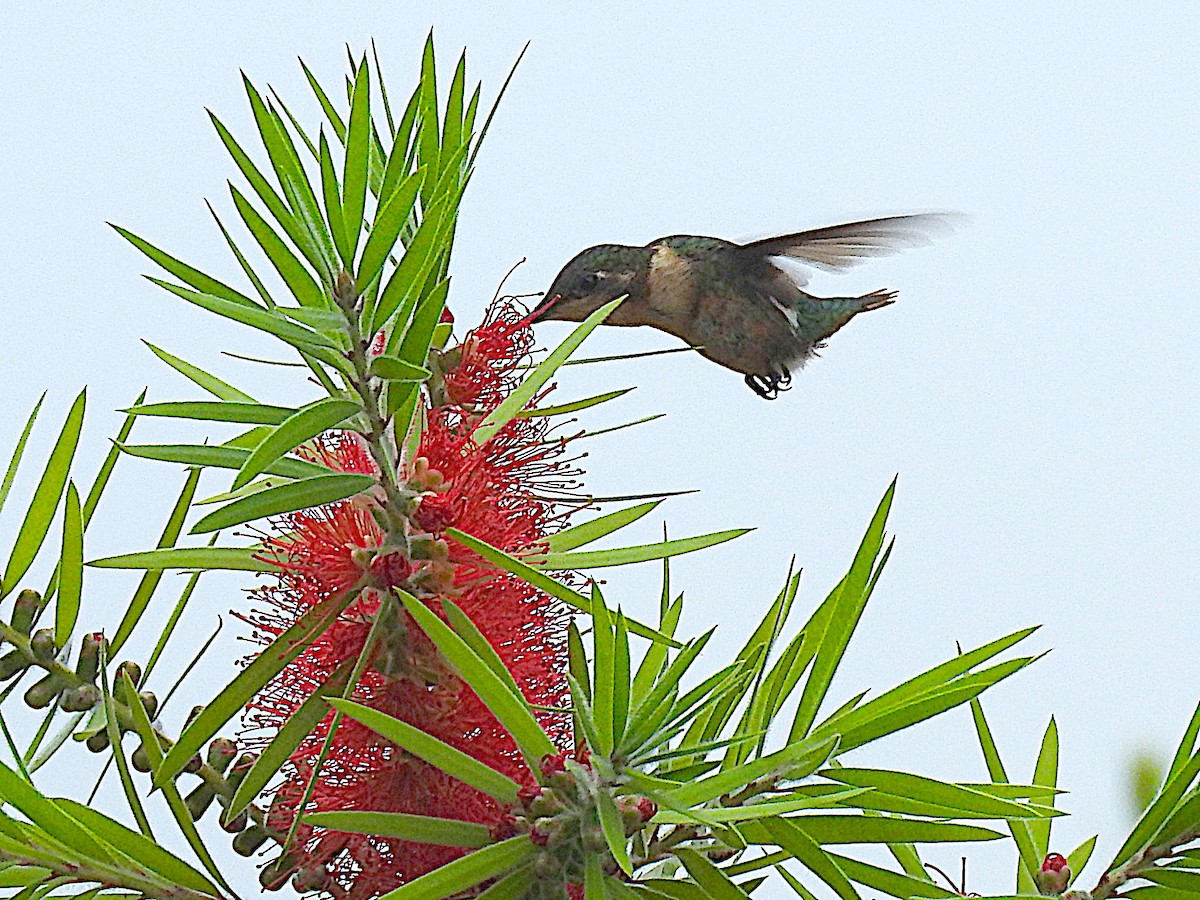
{"x":542,"y":308}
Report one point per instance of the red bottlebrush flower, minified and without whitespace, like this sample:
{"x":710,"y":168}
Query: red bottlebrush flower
{"x":495,"y":492}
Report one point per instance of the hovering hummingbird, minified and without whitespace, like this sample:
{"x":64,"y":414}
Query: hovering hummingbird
{"x":735,"y":303}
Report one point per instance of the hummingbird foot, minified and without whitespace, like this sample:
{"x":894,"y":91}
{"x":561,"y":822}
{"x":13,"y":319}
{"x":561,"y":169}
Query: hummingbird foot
{"x":769,"y":386}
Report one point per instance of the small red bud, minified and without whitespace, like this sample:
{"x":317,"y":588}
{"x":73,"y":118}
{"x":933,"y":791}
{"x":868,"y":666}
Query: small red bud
{"x":1054,"y":875}
{"x":648,"y":808}
{"x":446,"y":317}
{"x":553,"y":763}
{"x":528,"y":793}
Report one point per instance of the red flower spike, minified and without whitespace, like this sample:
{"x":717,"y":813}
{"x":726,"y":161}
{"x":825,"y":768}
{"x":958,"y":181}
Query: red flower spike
{"x":552,"y":763}
{"x":495,"y":492}
{"x":528,"y":793}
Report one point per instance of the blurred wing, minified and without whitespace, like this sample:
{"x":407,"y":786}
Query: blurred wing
{"x":839,"y":247}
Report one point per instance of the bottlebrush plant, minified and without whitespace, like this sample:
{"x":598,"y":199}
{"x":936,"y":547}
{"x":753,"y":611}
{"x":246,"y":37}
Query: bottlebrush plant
{"x":442,"y":703}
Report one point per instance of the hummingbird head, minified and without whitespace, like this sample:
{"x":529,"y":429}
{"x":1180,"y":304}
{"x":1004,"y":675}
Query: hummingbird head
{"x":593,"y":278}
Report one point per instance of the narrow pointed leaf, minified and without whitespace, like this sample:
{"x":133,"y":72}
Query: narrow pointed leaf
{"x":150,"y":581}
{"x":249,"y":681}
{"x":797,"y":760}
{"x":332,"y":195}
{"x":466,"y":629}
{"x":19,"y":451}
{"x":305,"y":424}
{"x":545,"y":582}
{"x":809,"y":854}
{"x":562,"y":409}
{"x":358,"y":148}
{"x":392,"y":368}
{"x":422,"y":829}
{"x":240,"y":559}
{"x":1045,"y":772}
{"x":290,"y":497}
{"x":299,"y":280}
{"x":537,"y":378}
{"x":891,"y":883}
{"x":179,"y":810}
{"x":286,"y":740}
{"x":512,"y":712}
{"x":70,"y":568}
{"x":614,"y":830}
{"x":579,"y":535}
{"x":622,"y":556}
{"x":209,"y":455}
{"x":45,"y":498}
{"x":713,"y":881}
{"x":466,"y":872}
{"x":181,"y":270}
{"x":394,"y":212}
{"x":853,"y":829}
{"x":449,"y":759}
{"x":210,"y":411}
{"x":215,"y":386}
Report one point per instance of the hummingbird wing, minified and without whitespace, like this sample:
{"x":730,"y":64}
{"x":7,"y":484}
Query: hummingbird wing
{"x":839,"y":247}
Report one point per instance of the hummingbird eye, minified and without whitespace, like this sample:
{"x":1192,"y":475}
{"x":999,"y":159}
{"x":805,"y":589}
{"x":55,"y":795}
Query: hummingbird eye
{"x":589,"y":280}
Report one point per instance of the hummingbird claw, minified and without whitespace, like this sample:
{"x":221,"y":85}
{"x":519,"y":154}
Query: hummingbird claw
{"x":769,"y":386}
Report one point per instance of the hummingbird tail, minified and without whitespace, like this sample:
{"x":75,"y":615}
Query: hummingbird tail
{"x":877,"y":300}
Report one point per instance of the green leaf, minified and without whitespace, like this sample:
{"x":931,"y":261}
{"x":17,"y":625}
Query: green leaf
{"x":392,"y":215}
{"x":19,"y":451}
{"x":808,"y":853}
{"x":851,"y":829}
{"x":286,"y":740}
{"x":543,"y":372}
{"x":331,"y":113}
{"x":209,"y":411}
{"x":291,"y":226}
{"x":48,"y":815}
{"x":240,"y":559}
{"x":449,"y":759}
{"x":295,"y":495}
{"x":892,"y":883}
{"x":466,"y":872}
{"x":299,"y":280}
{"x":45,"y":498}
{"x":713,"y":881}
{"x":392,"y":368}
{"x":144,"y":730}
{"x":852,"y":596}
{"x":332,"y":195}
{"x":1187,"y":744}
{"x":248,"y":269}
{"x":303,"y":425}
{"x":1045,"y":772}
{"x":465,"y":629}
{"x":797,"y":760}
{"x":621,"y":678}
{"x":1078,"y":858}
{"x":181,"y":270}
{"x":145,"y":851}
{"x":512,"y":712}
{"x":150,"y":581}
{"x":70,"y":567}
{"x":272,"y":660}
{"x":955,"y":799}
{"x":210,"y":383}
{"x":452,"y":132}
{"x":354,"y":177}
{"x":209,"y":456}
{"x":579,"y":535}
{"x":613,"y":828}
{"x":1159,"y":812}
{"x":574,"y":406}
{"x":545,"y":582}
{"x":422,"y":829}
{"x":623,"y":556}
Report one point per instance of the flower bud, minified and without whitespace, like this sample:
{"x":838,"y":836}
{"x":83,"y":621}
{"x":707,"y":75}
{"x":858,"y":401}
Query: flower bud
{"x":315,"y":878}
{"x":221,"y":753}
{"x":79,"y":699}
{"x":150,"y":702}
{"x":238,"y":773}
{"x":547,"y":867}
{"x":1054,"y":876}
{"x":139,"y":759}
{"x":553,"y":762}
{"x":199,"y":800}
{"x":42,"y":693}
{"x":276,"y":873}
{"x":89,"y":656}
{"x":42,"y":644}
{"x":250,"y":840}
{"x":237,"y":824}
{"x":12,"y":663}
{"x":98,"y":742}
{"x":132,"y":670}
{"x":593,"y":839}
{"x":25,"y":611}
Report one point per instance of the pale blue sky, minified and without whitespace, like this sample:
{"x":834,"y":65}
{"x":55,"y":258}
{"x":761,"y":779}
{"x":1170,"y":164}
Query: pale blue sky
{"x":1035,"y":387}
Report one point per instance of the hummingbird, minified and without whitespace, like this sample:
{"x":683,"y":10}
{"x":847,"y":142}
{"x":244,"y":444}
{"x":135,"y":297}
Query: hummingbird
{"x":740,"y":305}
